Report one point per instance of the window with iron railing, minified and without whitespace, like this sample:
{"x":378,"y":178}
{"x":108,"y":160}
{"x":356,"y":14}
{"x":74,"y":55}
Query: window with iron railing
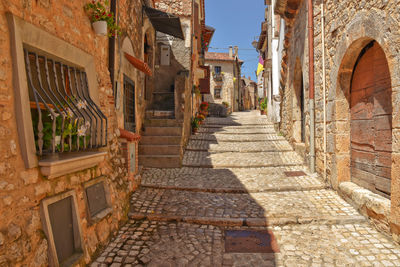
{"x":64,"y":116}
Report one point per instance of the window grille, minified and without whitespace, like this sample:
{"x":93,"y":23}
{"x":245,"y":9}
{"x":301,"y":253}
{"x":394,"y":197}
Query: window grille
{"x":64,"y":116}
{"x":129,"y":105}
{"x":217,"y":69}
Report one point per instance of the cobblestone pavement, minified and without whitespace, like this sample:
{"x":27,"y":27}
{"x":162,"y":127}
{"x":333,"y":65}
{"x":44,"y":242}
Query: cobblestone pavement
{"x":236,"y":179}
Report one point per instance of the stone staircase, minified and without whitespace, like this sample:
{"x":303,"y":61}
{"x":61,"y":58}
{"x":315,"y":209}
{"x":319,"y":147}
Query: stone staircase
{"x":160,"y":146}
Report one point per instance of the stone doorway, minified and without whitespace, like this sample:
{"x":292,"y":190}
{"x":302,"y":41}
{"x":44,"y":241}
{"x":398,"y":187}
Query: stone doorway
{"x":371,"y":121}
{"x":299,"y":116}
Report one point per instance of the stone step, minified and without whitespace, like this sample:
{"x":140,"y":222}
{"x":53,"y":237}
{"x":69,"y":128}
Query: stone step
{"x":232,"y":180}
{"x":236,"y":137}
{"x":160,"y":161}
{"x":256,"y":209}
{"x":162,"y":123}
{"x":241,"y":160}
{"x":214,"y":146}
{"x":160,"y":114}
{"x":163,"y":131}
{"x":159,"y":149}
{"x":160,"y":140}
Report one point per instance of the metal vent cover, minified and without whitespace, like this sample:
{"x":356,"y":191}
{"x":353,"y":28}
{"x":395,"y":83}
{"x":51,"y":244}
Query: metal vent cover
{"x":250,"y":241}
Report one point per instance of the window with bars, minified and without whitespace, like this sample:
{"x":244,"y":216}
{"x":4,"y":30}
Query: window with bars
{"x":129,"y":105}
{"x":64,"y":116}
{"x":217,"y":93}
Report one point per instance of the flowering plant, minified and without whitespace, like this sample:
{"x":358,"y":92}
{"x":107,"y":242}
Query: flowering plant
{"x":99,"y":12}
{"x":204,"y":106}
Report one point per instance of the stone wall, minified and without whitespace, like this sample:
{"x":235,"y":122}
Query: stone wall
{"x":22,"y":240}
{"x":350,"y":25}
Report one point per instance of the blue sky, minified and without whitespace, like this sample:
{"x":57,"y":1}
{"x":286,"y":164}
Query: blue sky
{"x":236,"y":22}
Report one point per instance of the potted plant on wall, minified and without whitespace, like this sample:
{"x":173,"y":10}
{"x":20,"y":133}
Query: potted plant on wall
{"x":103,"y":21}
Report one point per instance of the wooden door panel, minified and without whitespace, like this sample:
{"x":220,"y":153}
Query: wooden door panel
{"x":383,"y":140}
{"x":371,"y":122}
{"x":361,"y":137}
{"x":383,"y":185}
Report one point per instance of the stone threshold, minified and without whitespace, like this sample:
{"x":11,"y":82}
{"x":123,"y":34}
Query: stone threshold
{"x":236,"y":190}
{"x":253,"y":222}
{"x":210,"y":166}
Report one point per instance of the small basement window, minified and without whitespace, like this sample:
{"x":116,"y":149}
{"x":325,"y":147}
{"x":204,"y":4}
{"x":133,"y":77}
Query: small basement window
{"x":97,"y":199}
{"x":62,"y":227}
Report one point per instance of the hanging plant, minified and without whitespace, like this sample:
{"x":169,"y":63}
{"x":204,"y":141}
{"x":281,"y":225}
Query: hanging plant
{"x":103,"y":21}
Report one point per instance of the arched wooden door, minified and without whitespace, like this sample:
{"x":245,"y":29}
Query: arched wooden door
{"x":371,"y":121}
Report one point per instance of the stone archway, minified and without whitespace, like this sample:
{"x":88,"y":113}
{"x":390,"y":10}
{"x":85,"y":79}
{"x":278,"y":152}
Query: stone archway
{"x":299,"y":108}
{"x":371,"y":121}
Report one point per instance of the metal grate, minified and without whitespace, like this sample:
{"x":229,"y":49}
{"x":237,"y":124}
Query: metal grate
{"x":64,"y":116}
{"x":295,"y":173}
{"x":96,"y":197}
{"x":250,"y":241}
{"x":129,"y":105}
{"x":62,"y":225}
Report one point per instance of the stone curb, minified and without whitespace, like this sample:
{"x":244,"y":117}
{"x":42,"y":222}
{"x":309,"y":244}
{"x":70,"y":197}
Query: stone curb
{"x":235,"y":190}
{"x":232,"y":133}
{"x":213,"y":151}
{"x":235,"y":141}
{"x":252,"y":222}
{"x":210,"y":166}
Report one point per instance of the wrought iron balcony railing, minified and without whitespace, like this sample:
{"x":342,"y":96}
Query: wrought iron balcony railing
{"x":64,"y":116}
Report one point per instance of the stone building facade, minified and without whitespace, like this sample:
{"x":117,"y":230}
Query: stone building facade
{"x":249,"y":94}
{"x":56,"y":71}
{"x":225,"y":78}
{"x":360,"y":154}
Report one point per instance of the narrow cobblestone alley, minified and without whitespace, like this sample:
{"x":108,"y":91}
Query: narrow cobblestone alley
{"x":237,"y":176}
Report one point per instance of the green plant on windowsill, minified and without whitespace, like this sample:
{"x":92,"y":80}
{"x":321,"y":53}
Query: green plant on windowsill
{"x":73,"y":127}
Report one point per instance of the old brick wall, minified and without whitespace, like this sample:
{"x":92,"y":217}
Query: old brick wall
{"x":350,"y":25}
{"x":22,"y":241}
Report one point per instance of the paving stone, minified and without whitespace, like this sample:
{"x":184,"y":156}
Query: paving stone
{"x":236,"y":181}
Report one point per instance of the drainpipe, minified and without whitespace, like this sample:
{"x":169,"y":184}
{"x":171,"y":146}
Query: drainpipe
{"x":311,"y":84}
{"x":111,"y":48}
{"x":324,"y":80}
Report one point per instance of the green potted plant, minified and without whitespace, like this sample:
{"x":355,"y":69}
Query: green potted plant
{"x":263,"y":106}
{"x":103,"y":21}
{"x":195,"y":125}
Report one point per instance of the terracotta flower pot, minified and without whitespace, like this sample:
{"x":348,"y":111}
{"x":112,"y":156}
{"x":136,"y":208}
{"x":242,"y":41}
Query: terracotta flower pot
{"x":262,"y":112}
{"x":100,"y":27}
